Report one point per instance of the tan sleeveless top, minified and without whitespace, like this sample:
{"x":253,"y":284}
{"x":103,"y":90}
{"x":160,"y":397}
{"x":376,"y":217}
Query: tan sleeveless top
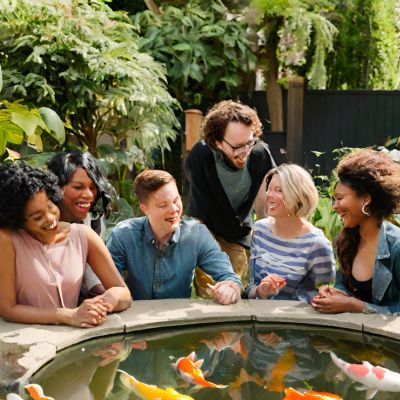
{"x":50,"y":276}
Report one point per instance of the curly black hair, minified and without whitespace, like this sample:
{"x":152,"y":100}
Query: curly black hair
{"x":18,"y":184}
{"x":64,"y":164}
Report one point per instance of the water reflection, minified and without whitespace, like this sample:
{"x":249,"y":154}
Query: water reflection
{"x":254,"y":361}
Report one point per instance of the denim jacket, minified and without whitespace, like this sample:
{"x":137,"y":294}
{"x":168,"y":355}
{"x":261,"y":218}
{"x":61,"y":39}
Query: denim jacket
{"x":168,"y":273}
{"x":386,"y":276}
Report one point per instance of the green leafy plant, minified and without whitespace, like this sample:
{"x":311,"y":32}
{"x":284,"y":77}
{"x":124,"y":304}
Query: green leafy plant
{"x":367,"y":48}
{"x":82,"y":59}
{"x":205,"y":50}
{"x":19,"y":123}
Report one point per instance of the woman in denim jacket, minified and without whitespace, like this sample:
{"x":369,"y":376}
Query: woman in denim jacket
{"x":368,"y":247}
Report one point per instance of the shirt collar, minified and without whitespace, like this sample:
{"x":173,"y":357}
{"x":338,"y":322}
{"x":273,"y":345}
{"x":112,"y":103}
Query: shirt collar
{"x":149,"y":237}
{"x":383,"y":248}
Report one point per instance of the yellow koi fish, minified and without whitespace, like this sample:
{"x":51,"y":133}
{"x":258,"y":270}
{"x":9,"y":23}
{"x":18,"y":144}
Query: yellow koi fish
{"x":150,"y":392}
{"x":283,"y":365}
{"x":36,"y":392}
{"x":189,"y":370}
{"x":293,"y":394}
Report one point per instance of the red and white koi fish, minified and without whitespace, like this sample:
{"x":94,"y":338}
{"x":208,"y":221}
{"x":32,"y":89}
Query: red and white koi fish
{"x":372,"y":378}
{"x":189,"y":370}
{"x":150,"y":392}
{"x":293,"y":394}
{"x":13,"y":396}
{"x":36,"y":392}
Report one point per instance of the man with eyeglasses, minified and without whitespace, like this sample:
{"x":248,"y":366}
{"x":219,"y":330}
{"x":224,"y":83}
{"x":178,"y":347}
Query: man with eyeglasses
{"x":226,"y":172}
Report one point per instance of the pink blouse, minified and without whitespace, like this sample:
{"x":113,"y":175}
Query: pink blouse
{"x":50,"y":276}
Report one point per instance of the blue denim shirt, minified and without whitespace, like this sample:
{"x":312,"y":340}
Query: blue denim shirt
{"x":167,"y":273}
{"x":386,"y":276}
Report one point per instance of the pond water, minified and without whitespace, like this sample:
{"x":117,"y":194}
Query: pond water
{"x":254,"y":361}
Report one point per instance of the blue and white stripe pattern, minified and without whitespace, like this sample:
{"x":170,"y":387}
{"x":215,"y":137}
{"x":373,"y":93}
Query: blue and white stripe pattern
{"x":306,"y":262}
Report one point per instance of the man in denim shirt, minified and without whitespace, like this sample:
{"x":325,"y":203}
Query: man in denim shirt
{"x":160,"y":251}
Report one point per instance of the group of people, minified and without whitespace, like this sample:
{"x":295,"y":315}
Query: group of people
{"x":57,"y":269}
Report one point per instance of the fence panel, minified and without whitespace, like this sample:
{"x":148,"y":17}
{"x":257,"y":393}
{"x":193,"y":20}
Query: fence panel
{"x":351,"y":118}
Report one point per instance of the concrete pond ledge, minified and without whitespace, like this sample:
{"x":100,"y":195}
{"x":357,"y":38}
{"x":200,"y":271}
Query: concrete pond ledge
{"x":24,"y":349}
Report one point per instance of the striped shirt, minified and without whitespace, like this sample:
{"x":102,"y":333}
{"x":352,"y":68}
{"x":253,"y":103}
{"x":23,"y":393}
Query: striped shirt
{"x":306,"y":262}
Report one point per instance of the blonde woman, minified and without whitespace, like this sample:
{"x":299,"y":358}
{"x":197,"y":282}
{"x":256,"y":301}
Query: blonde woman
{"x":290,"y":258}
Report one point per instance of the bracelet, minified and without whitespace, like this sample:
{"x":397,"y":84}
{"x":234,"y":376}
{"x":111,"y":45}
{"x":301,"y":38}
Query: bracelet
{"x":367,"y":309}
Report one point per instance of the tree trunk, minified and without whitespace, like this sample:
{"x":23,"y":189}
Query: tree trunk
{"x":274,"y":92}
{"x":152,"y":6}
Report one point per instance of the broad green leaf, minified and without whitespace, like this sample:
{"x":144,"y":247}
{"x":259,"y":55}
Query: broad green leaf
{"x":26,"y":120}
{"x":182,"y":47}
{"x":53,"y":123}
{"x":14,"y":133}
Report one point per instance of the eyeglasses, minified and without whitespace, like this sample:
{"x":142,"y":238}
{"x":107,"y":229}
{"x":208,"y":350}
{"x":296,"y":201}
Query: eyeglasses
{"x":242,"y":149}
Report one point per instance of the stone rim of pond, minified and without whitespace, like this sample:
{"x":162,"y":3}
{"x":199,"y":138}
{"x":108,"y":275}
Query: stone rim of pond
{"x":36,"y":345}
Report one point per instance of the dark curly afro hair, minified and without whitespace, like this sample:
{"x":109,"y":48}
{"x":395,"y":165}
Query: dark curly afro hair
{"x":18,"y":184}
{"x":372,"y":172}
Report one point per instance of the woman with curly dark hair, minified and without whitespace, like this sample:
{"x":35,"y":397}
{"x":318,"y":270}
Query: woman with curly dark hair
{"x":43,"y":260}
{"x":368,"y":247}
{"x":86,"y":198}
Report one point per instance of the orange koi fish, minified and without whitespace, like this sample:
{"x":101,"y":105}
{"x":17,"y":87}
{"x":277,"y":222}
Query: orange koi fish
{"x":150,"y":392}
{"x":293,"y":394}
{"x":189,"y":370}
{"x":277,"y":375}
{"x":36,"y":392}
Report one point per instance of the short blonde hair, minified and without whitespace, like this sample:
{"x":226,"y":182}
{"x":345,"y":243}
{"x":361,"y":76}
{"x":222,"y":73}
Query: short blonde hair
{"x":300,"y":195}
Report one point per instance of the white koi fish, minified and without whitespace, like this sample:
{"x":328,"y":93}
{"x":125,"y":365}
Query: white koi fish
{"x":372,"y":378}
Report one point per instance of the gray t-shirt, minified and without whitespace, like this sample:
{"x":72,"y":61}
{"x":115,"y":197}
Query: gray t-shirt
{"x":236,"y":183}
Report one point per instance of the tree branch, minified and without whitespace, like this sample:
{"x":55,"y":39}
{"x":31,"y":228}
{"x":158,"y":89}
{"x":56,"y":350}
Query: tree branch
{"x":152,"y":6}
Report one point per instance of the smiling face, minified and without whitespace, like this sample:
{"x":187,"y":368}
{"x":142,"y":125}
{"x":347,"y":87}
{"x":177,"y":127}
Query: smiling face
{"x":348,"y":205}
{"x":234,"y":145}
{"x":275,"y":205}
{"x":79,"y":196}
{"x":164,"y":209}
{"x":42,"y":218}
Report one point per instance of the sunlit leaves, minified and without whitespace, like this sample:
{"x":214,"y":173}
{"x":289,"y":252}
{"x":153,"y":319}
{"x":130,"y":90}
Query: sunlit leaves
{"x":81,"y":59}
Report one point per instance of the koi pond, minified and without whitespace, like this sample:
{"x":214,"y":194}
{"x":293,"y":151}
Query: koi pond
{"x":241,"y":361}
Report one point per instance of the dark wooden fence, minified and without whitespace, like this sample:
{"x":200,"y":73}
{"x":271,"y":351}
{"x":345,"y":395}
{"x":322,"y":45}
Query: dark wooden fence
{"x":351,"y":118}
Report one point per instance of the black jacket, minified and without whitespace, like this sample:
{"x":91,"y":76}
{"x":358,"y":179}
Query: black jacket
{"x":208,"y":200}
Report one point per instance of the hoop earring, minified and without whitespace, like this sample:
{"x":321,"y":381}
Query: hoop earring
{"x":363,"y":210}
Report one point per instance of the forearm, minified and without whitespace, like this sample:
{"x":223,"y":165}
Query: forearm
{"x":119,"y":297}
{"x":34,"y":315}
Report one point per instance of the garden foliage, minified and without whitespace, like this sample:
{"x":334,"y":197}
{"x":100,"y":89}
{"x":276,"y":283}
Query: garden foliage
{"x":204,"y":49}
{"x":82,"y":59}
{"x":19,"y":123}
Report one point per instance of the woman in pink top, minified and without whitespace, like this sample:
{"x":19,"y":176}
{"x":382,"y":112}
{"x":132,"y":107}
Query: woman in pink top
{"x":43,"y":260}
